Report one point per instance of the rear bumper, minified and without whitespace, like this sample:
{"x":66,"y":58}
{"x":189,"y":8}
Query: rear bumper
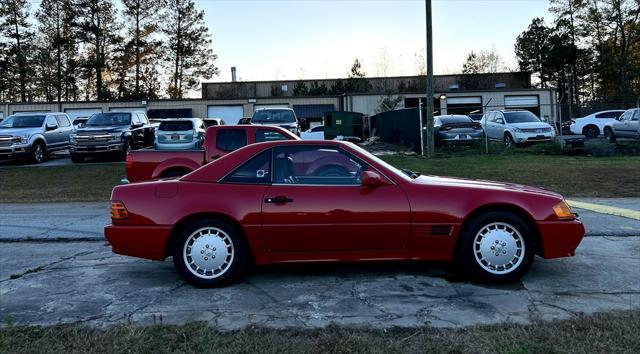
{"x":192,"y":145}
{"x":148,"y":242}
{"x":560,"y":238}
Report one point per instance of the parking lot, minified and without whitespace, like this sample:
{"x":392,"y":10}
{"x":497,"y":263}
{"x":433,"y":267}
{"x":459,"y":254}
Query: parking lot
{"x":58,"y":269}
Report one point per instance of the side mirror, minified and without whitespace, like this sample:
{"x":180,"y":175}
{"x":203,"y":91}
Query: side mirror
{"x":51,"y":127}
{"x":372,"y":179}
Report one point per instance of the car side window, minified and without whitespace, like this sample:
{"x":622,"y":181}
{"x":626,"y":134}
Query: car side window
{"x":51,"y":122}
{"x":263,"y":135}
{"x":626,"y":115}
{"x":255,"y":171}
{"x":316,"y":165}
{"x":143,"y":118}
{"x":319,"y":128}
{"x":636,"y":116}
{"x":499,"y":118}
{"x":63,"y":121}
{"x":231,"y":139}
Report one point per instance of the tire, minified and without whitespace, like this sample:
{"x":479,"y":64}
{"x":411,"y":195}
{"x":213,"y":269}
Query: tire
{"x":210,"y":243}
{"x":591,"y":131}
{"x":504,"y":233}
{"x":77,"y":159}
{"x":38,"y":152}
{"x":608,"y":135}
{"x":508,"y":140}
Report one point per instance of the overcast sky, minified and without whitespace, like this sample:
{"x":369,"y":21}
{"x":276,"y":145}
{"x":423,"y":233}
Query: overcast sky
{"x":269,"y":40}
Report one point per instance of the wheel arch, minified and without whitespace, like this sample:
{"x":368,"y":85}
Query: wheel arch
{"x":174,"y":164}
{"x":589,"y":125}
{"x":185,"y":221}
{"x":503,"y":207}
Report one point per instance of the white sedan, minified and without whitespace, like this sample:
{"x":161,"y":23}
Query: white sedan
{"x":593,"y":125}
{"x":315,"y":133}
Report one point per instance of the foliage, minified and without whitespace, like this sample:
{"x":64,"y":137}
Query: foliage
{"x":357,"y":81}
{"x":389,"y":102}
{"x":484,"y":61}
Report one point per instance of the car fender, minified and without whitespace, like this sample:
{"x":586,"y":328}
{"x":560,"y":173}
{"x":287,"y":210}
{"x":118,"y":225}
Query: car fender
{"x":178,"y":162}
{"x":35,"y":137}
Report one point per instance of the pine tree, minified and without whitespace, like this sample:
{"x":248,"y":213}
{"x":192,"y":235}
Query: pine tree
{"x":16,"y":31}
{"x":189,"y":47}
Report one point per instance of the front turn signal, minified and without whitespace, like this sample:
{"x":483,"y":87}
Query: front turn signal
{"x":118,"y":211}
{"x":563,"y":211}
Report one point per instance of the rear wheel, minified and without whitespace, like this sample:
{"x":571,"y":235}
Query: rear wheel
{"x":497,"y":247}
{"x":210,"y":253}
{"x":126,"y":149}
{"x":591,"y":131}
{"x":38,"y":152}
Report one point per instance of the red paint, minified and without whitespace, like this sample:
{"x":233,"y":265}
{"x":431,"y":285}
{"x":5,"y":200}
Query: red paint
{"x":143,"y":165}
{"x":393,"y":217}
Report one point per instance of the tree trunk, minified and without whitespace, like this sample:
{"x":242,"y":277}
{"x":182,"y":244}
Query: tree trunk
{"x":138,"y":53}
{"x":20,"y":58}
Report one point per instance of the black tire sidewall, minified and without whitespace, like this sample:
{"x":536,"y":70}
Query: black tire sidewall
{"x":508,"y":137}
{"x":466,"y":256}
{"x":237,"y":265}
{"x":33,"y":152}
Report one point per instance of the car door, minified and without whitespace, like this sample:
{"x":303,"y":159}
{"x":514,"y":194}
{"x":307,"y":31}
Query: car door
{"x":487,"y":122}
{"x":52,"y":133}
{"x":317,"y":203}
{"x":634,"y":125}
{"x":621,"y":126}
{"x":64,"y":129}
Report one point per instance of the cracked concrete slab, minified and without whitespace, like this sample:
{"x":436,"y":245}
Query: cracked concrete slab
{"x":85,"y":221}
{"x":85,"y":283}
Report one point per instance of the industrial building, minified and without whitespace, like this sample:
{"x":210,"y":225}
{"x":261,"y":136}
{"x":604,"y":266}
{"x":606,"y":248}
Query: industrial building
{"x":455,"y":94}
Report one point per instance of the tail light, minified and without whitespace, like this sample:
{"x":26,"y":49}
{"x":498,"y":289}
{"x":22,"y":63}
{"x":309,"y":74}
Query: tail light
{"x":118,"y":211}
{"x":128,"y":161}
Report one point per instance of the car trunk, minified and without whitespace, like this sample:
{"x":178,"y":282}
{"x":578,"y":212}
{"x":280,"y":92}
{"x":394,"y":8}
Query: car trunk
{"x":461,"y":127}
{"x":175,"y":132}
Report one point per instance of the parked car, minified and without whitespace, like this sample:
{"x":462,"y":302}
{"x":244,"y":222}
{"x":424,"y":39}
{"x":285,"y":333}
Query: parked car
{"x":210,"y":122}
{"x":114,"y":133}
{"x":279,"y":117}
{"x":315,"y":133}
{"x":516,"y":127}
{"x":244,"y":120}
{"x":456,"y":129}
{"x":80,"y":122}
{"x":264,"y":204}
{"x":34,"y":135}
{"x":475,"y":116}
{"x":180,"y":134}
{"x":219,"y":140}
{"x":626,"y":126}
{"x":593,"y":125}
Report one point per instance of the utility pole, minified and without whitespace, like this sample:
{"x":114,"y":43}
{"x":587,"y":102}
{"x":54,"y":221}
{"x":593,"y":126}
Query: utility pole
{"x":429,"y":103}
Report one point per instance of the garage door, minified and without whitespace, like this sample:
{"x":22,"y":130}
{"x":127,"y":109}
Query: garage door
{"x":520,"y":101}
{"x":74,"y":113}
{"x":464,"y":105}
{"x":257,"y":107}
{"x":128,"y":109}
{"x":230,"y":114}
{"x":464,"y":100}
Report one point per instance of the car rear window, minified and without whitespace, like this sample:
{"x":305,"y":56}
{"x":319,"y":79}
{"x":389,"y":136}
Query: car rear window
{"x":263,"y":135}
{"x":176,"y":126}
{"x":231,"y":139}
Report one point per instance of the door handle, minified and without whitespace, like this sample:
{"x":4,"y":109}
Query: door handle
{"x":278,"y":199}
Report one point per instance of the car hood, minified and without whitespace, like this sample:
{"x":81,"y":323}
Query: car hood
{"x":485,"y":185}
{"x":20,"y":131}
{"x":103,"y":129}
{"x":530,"y":125}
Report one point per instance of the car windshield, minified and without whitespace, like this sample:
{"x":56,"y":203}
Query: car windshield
{"x":455,"y":119}
{"x":404,"y":173}
{"x":22,"y":122}
{"x":521,"y":117}
{"x":176,"y":125}
{"x":273,"y":116}
{"x":101,"y":119}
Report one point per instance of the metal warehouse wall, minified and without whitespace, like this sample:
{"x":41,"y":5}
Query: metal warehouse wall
{"x":198,"y":107}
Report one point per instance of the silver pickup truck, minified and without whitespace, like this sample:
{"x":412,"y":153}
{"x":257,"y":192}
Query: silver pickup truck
{"x":34,"y":135}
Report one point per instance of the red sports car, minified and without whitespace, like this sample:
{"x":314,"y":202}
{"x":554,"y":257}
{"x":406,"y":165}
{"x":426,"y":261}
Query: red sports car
{"x":306,"y":201}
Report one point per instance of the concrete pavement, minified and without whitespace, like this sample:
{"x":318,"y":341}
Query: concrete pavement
{"x":46,"y":283}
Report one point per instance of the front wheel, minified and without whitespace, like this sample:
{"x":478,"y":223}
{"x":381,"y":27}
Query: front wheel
{"x":497,"y":247}
{"x":609,"y":136}
{"x":38,"y":152}
{"x":126,"y":149}
{"x":508,"y":140}
{"x":210,"y":253}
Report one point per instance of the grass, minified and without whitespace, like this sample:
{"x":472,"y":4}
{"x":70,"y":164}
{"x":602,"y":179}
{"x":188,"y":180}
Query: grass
{"x":86,"y":183}
{"x":573,"y":176}
{"x":614,"y":332}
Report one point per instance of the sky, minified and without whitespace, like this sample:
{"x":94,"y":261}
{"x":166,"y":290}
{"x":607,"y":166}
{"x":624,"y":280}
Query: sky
{"x":269,"y":40}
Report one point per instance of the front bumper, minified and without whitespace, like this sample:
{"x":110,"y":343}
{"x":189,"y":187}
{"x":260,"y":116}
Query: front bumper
{"x":14,"y":150}
{"x":148,"y":242}
{"x":102,"y":148}
{"x":560,"y":238}
{"x":522,"y":138}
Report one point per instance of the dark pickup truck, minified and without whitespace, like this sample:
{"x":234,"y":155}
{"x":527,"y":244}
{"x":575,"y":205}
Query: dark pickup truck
{"x":219,"y":140}
{"x":114,"y":133}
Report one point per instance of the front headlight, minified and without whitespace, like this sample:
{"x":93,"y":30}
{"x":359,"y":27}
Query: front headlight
{"x":563,"y":211}
{"x":517,"y":130}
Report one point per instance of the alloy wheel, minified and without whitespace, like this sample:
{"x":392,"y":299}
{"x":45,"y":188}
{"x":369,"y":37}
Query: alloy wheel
{"x":499,"y":248}
{"x":208,"y":252}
